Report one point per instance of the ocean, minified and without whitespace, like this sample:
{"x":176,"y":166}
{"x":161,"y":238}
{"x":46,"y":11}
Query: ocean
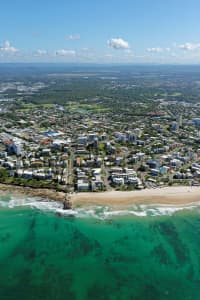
{"x":146,"y":253}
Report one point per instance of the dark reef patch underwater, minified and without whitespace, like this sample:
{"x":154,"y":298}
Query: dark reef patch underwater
{"x":47,"y":257}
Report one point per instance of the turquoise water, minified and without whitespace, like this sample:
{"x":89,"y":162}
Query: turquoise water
{"x":44,"y":256}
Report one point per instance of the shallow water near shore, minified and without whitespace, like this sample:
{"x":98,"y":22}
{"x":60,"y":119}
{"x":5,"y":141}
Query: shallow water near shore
{"x":98,"y":255}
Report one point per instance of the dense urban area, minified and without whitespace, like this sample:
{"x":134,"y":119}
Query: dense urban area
{"x":94,"y":129}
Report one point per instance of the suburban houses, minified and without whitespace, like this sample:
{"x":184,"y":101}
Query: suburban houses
{"x":94,"y":152}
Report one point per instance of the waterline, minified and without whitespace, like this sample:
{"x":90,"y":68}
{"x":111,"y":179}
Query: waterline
{"x":100,"y":212}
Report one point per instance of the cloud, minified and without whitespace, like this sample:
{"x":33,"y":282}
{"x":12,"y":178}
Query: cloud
{"x":118,"y":43}
{"x":158,"y":50}
{"x":155,"y":50}
{"x":40,"y":52}
{"x":73,"y":37}
{"x":7,"y":48}
{"x":189,"y":46}
{"x":64,"y":52}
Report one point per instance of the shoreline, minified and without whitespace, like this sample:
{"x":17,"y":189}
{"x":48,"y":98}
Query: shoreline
{"x":175,"y":195}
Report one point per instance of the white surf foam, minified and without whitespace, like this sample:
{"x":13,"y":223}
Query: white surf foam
{"x":100,"y":212}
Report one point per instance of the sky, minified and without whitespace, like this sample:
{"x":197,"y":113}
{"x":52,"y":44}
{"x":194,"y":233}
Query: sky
{"x":100,"y":31}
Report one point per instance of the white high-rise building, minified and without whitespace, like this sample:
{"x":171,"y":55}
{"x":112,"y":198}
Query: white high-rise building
{"x":174,"y":126}
{"x":180,"y":120}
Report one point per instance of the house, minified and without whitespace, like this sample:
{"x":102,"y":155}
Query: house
{"x":98,"y":161}
{"x":27,"y":174}
{"x":14,"y":147}
{"x":92,"y":137}
{"x":9,"y":165}
{"x":153,"y":164}
{"x":58,"y":144}
{"x":3,"y":154}
{"x":133,"y":180}
{"x":118,"y":161}
{"x":164,"y":170}
{"x":82,"y":140}
{"x":97,"y":184}
{"x":96,"y":172}
{"x":83,"y":185}
{"x":175,"y":162}
{"x":154,"y":172}
{"x":46,"y":152}
{"x":117,"y":180}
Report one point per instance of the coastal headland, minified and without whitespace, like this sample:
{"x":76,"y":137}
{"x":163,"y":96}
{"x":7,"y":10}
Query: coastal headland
{"x":177,"y":195}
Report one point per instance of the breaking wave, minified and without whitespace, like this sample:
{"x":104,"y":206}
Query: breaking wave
{"x":100,"y":212}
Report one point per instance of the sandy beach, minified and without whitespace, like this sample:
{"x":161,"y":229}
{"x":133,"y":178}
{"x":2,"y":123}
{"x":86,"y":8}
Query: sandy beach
{"x":177,"y":195}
